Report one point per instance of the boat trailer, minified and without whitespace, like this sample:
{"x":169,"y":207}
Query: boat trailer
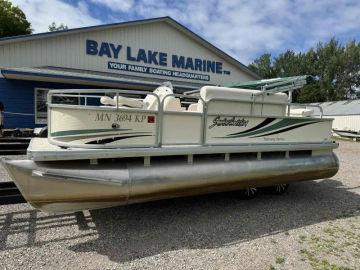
{"x":10,"y":194}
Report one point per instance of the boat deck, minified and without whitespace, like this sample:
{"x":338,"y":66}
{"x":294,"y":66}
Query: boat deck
{"x":41,"y":150}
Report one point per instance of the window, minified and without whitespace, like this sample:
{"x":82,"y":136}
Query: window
{"x":41,"y":104}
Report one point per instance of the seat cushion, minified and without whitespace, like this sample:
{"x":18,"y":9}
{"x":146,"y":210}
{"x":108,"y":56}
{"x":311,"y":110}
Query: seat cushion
{"x":129,"y":102}
{"x":172,"y":104}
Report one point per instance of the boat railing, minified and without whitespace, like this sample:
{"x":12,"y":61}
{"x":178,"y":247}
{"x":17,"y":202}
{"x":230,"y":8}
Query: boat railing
{"x":181,"y":96}
{"x":85,"y":95}
{"x":321,"y":112}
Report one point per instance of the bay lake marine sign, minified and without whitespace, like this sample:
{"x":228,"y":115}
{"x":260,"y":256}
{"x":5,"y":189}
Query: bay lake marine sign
{"x":157,"y":58}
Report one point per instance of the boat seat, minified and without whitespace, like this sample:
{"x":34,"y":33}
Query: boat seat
{"x":173,"y":104}
{"x":196,"y":107}
{"x":129,"y":102}
{"x":193,"y":107}
{"x":122,"y":102}
{"x":227,"y":100}
{"x":162,"y":91}
{"x":149,"y":102}
{"x":301,"y":112}
{"x":105,"y":100}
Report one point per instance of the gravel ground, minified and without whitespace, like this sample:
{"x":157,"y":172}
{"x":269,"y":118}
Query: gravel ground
{"x":316,"y":225}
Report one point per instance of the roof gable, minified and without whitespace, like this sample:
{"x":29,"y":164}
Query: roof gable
{"x":166,"y":19}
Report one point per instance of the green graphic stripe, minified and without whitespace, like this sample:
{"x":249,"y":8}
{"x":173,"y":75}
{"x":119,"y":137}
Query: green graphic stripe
{"x":286,"y":129}
{"x":81,"y":137}
{"x":110,"y":140}
{"x":84,"y":131}
{"x":281,"y":124}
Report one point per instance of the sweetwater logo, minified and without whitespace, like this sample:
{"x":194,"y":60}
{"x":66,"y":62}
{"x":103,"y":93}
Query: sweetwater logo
{"x":227,"y":122}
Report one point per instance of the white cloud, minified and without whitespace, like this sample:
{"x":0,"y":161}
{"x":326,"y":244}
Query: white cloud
{"x":242,"y":28}
{"x":115,"y":5}
{"x":42,"y":13}
{"x":248,"y":28}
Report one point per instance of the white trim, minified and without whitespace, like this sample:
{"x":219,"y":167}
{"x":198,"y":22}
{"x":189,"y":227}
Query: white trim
{"x":40,"y":149}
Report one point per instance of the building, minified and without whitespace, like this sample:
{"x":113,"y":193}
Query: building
{"x":132,"y":55}
{"x":346,"y":114}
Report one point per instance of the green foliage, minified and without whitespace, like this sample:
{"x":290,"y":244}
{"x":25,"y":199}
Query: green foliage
{"x":280,"y":260}
{"x":263,"y":66}
{"x":12,"y":20}
{"x":336,"y":68}
{"x":53,"y":27}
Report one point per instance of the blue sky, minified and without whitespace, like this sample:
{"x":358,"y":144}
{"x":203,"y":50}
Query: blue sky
{"x":245,"y":29}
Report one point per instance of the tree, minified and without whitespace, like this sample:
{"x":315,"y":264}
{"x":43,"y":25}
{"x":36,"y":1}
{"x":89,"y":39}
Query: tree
{"x":336,"y":68}
{"x":263,"y":66}
{"x":53,"y":27}
{"x":349,"y":78}
{"x":288,"y":64}
{"x":13,"y":21}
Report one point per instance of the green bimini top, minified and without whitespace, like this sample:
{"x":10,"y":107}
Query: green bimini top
{"x":274,"y":85}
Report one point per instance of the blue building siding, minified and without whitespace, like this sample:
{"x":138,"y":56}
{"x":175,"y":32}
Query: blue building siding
{"x":19,"y":97}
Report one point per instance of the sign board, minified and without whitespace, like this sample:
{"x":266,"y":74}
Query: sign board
{"x":154,"y":62}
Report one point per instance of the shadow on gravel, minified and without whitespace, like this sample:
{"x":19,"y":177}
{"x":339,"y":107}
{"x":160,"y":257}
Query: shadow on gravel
{"x":142,"y":230}
{"x":26,"y":226}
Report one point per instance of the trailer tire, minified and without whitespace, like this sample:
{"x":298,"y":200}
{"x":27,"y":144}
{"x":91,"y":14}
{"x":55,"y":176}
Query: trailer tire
{"x":279,"y":189}
{"x":43,"y":132}
{"x":249,"y":193}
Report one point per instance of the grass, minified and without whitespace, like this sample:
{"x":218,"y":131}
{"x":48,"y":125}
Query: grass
{"x":273,"y":241}
{"x":302,"y":238}
{"x":333,"y":248}
{"x":280,"y":260}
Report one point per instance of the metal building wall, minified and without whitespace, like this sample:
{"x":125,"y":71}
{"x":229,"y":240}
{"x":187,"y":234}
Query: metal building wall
{"x":18,"y":98}
{"x":346,"y":113}
{"x":69,"y":51}
{"x":346,"y":122}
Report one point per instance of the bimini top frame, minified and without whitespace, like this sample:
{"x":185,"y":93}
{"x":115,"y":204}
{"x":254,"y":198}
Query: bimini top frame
{"x":268,"y":86}
{"x":276,"y":85}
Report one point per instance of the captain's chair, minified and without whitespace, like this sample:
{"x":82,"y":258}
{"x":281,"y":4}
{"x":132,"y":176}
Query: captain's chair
{"x":162,"y":91}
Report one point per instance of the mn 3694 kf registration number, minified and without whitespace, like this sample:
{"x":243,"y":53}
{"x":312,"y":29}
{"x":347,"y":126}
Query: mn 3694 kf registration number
{"x":124,"y":117}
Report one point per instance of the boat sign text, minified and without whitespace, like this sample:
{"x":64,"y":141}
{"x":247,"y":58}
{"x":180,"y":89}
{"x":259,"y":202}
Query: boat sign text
{"x":122,"y":117}
{"x":187,"y":64}
{"x":229,"y":121}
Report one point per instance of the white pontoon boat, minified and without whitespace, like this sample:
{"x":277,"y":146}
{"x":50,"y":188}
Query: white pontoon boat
{"x":112,"y":147}
{"x":347,"y":133}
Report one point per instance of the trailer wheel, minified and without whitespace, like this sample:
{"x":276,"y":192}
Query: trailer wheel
{"x":43,"y":132}
{"x":249,"y":193}
{"x":279,"y":189}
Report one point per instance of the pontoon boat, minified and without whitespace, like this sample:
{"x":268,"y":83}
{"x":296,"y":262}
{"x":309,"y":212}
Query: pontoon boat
{"x":112,"y":147}
{"x":347,"y":133}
